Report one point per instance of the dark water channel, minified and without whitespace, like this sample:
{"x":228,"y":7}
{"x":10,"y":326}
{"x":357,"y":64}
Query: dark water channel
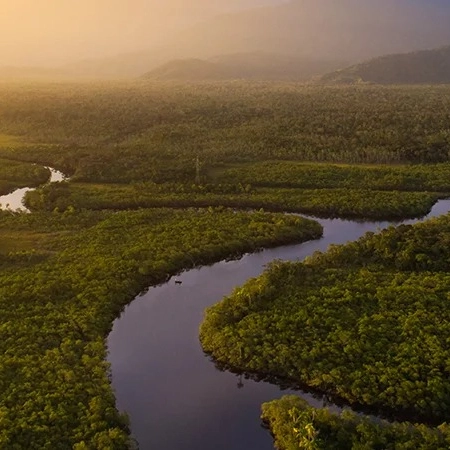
{"x":174,"y":395}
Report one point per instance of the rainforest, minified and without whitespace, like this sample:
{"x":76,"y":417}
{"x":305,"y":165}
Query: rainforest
{"x":166,"y":177}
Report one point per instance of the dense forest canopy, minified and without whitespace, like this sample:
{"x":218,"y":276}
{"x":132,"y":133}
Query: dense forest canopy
{"x":16,"y":174}
{"x":366,"y":323}
{"x":65,"y":277}
{"x":239,"y":140}
{"x":201,"y":158}
{"x":297,"y":425}
{"x":136,"y":129}
{"x":153,"y":168}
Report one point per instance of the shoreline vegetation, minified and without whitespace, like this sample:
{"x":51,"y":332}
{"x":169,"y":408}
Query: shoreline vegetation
{"x":325,"y":203}
{"x":142,"y":159}
{"x":16,"y":175}
{"x":294,"y":424}
{"x":60,"y":297}
{"x":365,"y":322}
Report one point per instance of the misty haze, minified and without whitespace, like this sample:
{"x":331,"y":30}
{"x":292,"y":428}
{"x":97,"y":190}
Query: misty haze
{"x":127,"y":39}
{"x":224,"y":225}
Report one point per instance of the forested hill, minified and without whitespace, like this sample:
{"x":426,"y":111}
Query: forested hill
{"x":251,"y":66}
{"x":426,"y":67}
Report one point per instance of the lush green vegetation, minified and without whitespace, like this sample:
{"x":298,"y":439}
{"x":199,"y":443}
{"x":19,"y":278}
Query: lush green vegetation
{"x":367,"y":322}
{"x":69,"y":268}
{"x":153,"y":132}
{"x":244,"y":144}
{"x":289,"y":174}
{"x":318,"y":202}
{"x":60,"y":293}
{"x":15,"y":174}
{"x":296,"y":425}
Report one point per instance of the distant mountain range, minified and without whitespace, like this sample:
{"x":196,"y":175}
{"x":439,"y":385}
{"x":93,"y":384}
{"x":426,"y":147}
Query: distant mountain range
{"x":426,"y":67}
{"x":314,"y":34}
{"x":249,"y":66}
{"x":344,"y":30}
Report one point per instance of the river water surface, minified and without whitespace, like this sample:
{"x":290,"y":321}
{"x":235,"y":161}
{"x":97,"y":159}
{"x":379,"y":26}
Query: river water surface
{"x":14,"y":200}
{"x":174,"y":395}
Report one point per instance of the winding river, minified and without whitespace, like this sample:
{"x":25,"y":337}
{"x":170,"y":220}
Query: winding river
{"x":14,"y":200}
{"x":174,"y":395}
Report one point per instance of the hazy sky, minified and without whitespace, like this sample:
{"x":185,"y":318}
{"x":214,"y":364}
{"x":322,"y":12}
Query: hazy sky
{"x":59,"y":31}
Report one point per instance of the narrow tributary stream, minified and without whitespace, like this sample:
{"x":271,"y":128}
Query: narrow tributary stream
{"x":174,"y":395}
{"x":14,"y":200}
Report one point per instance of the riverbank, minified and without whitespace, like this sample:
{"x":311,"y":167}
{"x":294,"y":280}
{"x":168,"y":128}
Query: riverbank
{"x":18,"y":174}
{"x":185,"y":390}
{"x":359,"y":204}
{"x":364,"y":322}
{"x":67,"y":270}
{"x":293,"y":423}
{"x":14,"y":196}
{"x":60,"y":296}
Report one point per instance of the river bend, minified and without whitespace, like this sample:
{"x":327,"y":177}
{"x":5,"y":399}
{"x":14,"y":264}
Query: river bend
{"x":174,"y":395}
{"x":14,"y":200}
